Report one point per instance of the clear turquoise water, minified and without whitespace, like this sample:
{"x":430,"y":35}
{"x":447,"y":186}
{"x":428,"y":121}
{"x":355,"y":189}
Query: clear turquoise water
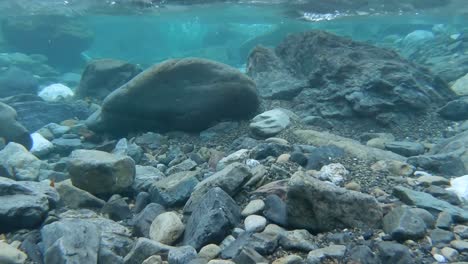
{"x":227,"y":32}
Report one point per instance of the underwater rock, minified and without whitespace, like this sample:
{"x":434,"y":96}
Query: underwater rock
{"x":41,"y":146}
{"x":142,"y":221}
{"x":70,"y":240}
{"x":269,"y":73}
{"x":351,"y":147}
{"x":448,"y":157}
{"x":24,"y":204}
{"x":269,"y":123}
{"x":230,"y":180}
{"x":428,"y":202}
{"x":175,"y":189}
{"x":145,"y":176}
{"x":11,"y":130}
{"x":320,"y":206}
{"x":392,"y":252}
{"x":183,"y":94}
{"x":348,"y":78}
{"x":60,"y":38}
{"x":405,"y":148}
{"x":11,"y":255}
{"x":34,"y":113}
{"x":99,"y":172}
{"x":402,"y":224}
{"x":212,"y":219}
{"x":19,"y":164}
{"x":460,"y":86}
{"x":15,"y":81}
{"x":56,"y":92}
{"x":456,"y":110}
{"x":75,"y":198}
{"x":166,"y":228}
{"x":145,"y":248}
{"x":98,"y":237}
{"x":101,"y":77}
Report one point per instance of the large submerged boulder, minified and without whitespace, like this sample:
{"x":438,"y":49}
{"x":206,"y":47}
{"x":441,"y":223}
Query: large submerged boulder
{"x":182,"y":94}
{"x":15,"y":81}
{"x":337,"y":77}
{"x":101,"y":77}
{"x":10,"y":129}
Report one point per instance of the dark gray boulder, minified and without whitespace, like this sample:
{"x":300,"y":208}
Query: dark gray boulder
{"x":448,"y":157}
{"x":456,"y":110}
{"x":230,"y":179}
{"x":15,"y":81}
{"x":145,"y":248}
{"x":76,"y":198}
{"x":320,"y":206}
{"x":99,"y":172}
{"x":181,"y":255}
{"x":212,"y":219}
{"x":272,"y":78}
{"x":175,"y":189}
{"x":402,"y":223}
{"x":345,"y":78}
{"x":428,"y":202}
{"x":11,"y":130}
{"x":24,"y":204}
{"x":113,"y":240}
{"x":182,"y":94}
{"x":363,"y":255}
{"x":103,"y":76}
{"x":70,"y":241}
{"x":394,"y":253}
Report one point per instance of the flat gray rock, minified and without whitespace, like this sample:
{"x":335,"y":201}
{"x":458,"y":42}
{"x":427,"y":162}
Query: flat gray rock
{"x":320,"y":206}
{"x":405,"y":148}
{"x":24,"y":204}
{"x":229,"y":179}
{"x":269,"y":123}
{"x":145,"y":176}
{"x":174,"y":189}
{"x":402,"y":224}
{"x":100,"y":172}
{"x":428,"y":202}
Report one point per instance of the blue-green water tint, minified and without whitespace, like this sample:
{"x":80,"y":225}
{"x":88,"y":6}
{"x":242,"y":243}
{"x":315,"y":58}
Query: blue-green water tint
{"x":227,"y":32}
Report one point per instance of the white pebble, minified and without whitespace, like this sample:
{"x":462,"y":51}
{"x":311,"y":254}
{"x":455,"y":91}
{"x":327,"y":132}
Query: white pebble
{"x":56,"y":92}
{"x":255,"y":223}
{"x":439,"y":258}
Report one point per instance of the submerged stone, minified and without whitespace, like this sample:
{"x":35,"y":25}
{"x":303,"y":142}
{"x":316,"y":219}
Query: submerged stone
{"x":181,"y":94}
{"x":11,"y":130}
{"x":320,"y":206}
